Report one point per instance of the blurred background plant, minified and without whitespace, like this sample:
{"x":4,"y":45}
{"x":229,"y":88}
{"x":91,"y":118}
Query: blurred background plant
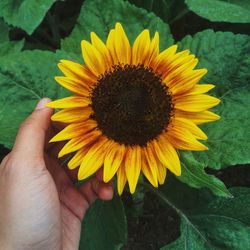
{"x":208,"y":207}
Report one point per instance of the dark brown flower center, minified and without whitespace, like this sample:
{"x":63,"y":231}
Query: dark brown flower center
{"x":131,"y":105}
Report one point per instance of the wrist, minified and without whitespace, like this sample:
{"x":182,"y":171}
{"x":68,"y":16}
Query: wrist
{"x":5,"y":245}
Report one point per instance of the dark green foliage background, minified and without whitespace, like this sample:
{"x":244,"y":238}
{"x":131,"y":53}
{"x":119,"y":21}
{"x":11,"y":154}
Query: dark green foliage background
{"x":194,"y":211}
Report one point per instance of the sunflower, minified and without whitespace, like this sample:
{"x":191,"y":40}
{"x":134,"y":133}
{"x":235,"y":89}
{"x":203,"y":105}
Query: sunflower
{"x":133,"y":107}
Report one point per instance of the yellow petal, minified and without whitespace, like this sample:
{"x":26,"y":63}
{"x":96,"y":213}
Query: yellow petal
{"x":149,"y":166}
{"x":93,"y":159}
{"x":196,"y":103}
{"x":133,"y":166}
{"x":198,"y":117}
{"x":185,"y":65}
{"x":163,"y":57}
{"x":121,"y":179}
{"x":74,"y":130}
{"x":72,"y":115}
{"x":113,"y":160}
{"x":199,"y":89}
{"x":171,"y":63}
{"x":93,"y":58}
{"x":76,"y":71}
{"x":110,"y":43}
{"x":79,"y":142}
{"x":140,"y":49}
{"x":76,"y":160}
{"x":122,"y":46}
{"x":182,"y":138}
{"x":184,"y":82}
{"x":190,"y":126}
{"x":161,"y":173}
{"x":73,"y":86}
{"x":102,"y":48}
{"x":167,"y":155}
{"x":70,"y":102}
{"x":177,"y":63}
{"x":153,"y":50}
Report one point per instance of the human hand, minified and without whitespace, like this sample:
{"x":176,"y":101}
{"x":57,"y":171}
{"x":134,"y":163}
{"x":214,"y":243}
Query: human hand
{"x":40,"y":207}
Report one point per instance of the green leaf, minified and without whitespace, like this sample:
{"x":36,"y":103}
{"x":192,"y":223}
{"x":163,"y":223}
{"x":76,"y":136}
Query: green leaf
{"x":6,"y":46}
{"x":226,"y":56}
{"x":104,"y":226}
{"x":222,"y":224}
{"x":24,"y":14}
{"x":167,"y":10}
{"x":24,"y":79}
{"x":100,"y":16}
{"x":229,"y":138}
{"x":189,"y":239}
{"x":193,"y":174}
{"x":186,"y":196}
{"x":4,"y":30}
{"x":232,"y":11}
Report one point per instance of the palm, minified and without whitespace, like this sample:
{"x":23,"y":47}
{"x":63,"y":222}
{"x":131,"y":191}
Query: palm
{"x":73,"y":202}
{"x":70,"y":223}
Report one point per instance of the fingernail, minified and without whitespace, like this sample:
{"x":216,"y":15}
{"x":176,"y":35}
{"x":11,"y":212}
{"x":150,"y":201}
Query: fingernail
{"x":41,"y":104}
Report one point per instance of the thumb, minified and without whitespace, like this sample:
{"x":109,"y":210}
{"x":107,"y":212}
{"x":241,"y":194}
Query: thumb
{"x":31,"y":135}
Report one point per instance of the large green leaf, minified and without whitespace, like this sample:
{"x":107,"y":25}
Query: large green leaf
{"x":221,"y":224}
{"x":100,"y":16}
{"x":229,"y":138}
{"x":104,"y":226}
{"x":25,"y":14}
{"x":226,"y":56}
{"x":233,"y":11}
{"x":194,"y":175}
{"x":25,"y":77}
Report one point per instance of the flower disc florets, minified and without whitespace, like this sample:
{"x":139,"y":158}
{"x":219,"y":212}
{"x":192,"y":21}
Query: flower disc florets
{"x":131,"y":104}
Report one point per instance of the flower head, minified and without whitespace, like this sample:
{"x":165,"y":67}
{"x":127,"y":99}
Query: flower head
{"x":133,"y":107}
